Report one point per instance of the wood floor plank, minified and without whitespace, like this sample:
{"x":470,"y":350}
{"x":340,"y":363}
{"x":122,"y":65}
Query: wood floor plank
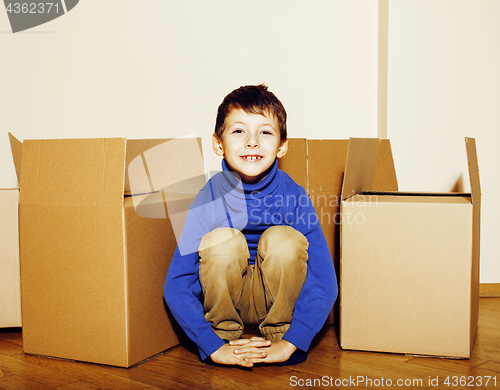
{"x":13,"y":335}
{"x":197,"y":373}
{"x":488,"y":305}
{"x":257,"y":376}
{"x":90,"y":386}
{"x":448,"y":367}
{"x":180,"y":368}
{"x":348,"y":369}
{"x":79,"y":386}
{"x":161,"y":375}
{"x":16,"y":382}
{"x":491,"y":365}
{"x":86,"y":372}
{"x":33,"y":372}
{"x":8,"y":348}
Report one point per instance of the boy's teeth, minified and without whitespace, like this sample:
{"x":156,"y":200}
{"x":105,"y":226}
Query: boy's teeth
{"x":252,"y":157}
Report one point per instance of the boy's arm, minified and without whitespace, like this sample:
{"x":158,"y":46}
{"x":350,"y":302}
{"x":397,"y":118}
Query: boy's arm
{"x":182,"y":290}
{"x":182,"y":294}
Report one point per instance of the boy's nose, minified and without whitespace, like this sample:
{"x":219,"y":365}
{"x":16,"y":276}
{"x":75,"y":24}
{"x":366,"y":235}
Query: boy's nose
{"x":252,"y":143}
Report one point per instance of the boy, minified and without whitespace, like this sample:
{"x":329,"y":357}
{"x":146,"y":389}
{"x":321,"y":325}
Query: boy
{"x":252,"y":250}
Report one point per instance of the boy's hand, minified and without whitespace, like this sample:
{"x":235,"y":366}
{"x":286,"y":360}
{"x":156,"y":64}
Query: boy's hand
{"x":276,"y":352}
{"x":251,"y":353}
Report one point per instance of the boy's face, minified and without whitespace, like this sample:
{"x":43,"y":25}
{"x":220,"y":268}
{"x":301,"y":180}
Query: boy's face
{"x":250,"y":144}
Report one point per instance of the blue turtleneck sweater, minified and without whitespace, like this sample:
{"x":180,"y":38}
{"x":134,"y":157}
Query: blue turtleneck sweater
{"x":251,"y":208}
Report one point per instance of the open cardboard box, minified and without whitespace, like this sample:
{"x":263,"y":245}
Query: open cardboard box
{"x":318,"y":166}
{"x":10,"y":279}
{"x":93,"y":262}
{"x":409,"y":263}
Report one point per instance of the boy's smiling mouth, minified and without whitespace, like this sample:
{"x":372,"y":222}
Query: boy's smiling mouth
{"x":251,"y":158}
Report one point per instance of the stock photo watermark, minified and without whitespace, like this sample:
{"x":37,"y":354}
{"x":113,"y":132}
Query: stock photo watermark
{"x":324,"y":206}
{"x":24,"y":15}
{"x":365,"y":381}
{"x":169,"y":193}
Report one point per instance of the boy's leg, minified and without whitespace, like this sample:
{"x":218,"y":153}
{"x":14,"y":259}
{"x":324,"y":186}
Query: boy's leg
{"x":280,"y":273}
{"x":223,"y":263}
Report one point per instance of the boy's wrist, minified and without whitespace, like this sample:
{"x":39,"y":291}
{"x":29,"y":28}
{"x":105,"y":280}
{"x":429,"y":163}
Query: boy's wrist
{"x":288,"y":346}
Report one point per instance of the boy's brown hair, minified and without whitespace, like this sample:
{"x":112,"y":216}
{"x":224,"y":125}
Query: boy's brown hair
{"x":253,"y":99}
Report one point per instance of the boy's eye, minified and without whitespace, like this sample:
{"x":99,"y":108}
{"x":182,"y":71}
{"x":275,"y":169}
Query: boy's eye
{"x":267,"y":132}
{"x":238,"y":131}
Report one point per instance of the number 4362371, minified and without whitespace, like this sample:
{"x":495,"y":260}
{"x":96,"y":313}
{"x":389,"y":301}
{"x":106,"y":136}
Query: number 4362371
{"x":32,"y":8}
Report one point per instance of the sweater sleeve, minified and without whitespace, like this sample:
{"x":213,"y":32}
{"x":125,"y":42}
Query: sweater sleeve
{"x":182,"y":290}
{"x":320,"y":289}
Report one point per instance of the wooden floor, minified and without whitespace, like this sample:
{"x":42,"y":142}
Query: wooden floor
{"x":179,"y":368}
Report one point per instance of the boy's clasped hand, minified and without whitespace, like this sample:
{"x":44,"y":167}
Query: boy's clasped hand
{"x":247,"y":352}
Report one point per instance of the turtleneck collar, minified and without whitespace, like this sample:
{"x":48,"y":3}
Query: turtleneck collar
{"x":257,"y":190}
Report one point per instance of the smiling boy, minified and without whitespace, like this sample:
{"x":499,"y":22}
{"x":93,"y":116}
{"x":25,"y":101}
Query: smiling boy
{"x":252,"y":250}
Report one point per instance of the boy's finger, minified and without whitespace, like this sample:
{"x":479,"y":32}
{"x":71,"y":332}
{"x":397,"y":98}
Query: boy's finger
{"x":246,"y":341}
{"x":239,"y":342}
{"x":240,"y":361}
{"x":254,"y":357}
{"x":244,"y":363}
{"x":250,"y":351}
{"x":259,"y":343}
{"x":256,"y":360}
{"x":257,"y":338}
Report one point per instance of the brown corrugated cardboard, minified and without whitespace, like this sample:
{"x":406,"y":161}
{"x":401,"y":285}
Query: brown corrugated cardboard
{"x":92,"y":268}
{"x":10,"y":279}
{"x":318,"y":166}
{"x":409,"y":263}
{"x":17,"y":152}
{"x":10,"y":283}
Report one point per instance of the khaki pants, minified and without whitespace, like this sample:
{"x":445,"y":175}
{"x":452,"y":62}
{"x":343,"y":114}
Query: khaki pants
{"x":264,"y":293}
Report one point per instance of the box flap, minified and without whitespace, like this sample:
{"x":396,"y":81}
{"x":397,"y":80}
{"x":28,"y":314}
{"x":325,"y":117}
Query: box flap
{"x":360,"y":166}
{"x":475,"y":187}
{"x":418,"y":193}
{"x":175,"y":164}
{"x":73,"y":172}
{"x":385,"y":173}
{"x":17,"y":150}
{"x":325,"y":165}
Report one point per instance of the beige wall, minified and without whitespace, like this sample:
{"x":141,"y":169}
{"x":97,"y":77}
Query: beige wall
{"x":444,"y":85}
{"x":161,"y":68}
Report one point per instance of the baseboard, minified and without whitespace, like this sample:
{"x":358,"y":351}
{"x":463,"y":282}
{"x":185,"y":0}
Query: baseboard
{"x":489,"y":290}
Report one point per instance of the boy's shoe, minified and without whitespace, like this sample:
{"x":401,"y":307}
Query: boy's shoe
{"x":297,"y":357}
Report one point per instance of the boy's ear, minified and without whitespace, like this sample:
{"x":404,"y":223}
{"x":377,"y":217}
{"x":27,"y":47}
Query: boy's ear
{"x":217,"y":145}
{"x":282,"y":149}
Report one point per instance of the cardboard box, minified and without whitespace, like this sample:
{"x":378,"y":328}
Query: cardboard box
{"x":409,"y":263}
{"x":10,"y":279}
{"x":94,"y":262}
{"x":318,"y":166}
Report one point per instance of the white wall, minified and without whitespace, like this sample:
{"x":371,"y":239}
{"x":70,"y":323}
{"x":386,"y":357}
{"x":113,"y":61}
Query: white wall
{"x":443,"y":85}
{"x":155,"y":69}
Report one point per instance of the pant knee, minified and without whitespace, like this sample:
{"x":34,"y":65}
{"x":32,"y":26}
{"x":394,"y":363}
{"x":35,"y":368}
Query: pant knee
{"x":231,"y":238}
{"x":224,"y":247}
{"x":289,"y":242}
